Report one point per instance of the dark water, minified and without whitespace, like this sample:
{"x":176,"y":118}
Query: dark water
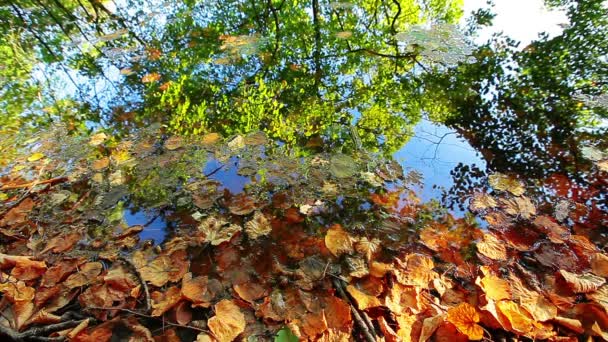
{"x":161,"y":114}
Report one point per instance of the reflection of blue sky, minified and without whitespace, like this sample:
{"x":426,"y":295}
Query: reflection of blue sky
{"x":433,"y":151}
{"x":156,"y":230}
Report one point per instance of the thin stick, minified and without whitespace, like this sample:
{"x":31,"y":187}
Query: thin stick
{"x":364,"y":328}
{"x":150,"y":317}
{"x":51,"y":181}
{"x":147,"y":301}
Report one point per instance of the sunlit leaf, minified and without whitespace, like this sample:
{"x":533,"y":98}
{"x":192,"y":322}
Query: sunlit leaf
{"x":465,"y":318}
{"x":258,"y":226}
{"x":338,"y":241}
{"x":503,"y":182}
{"x":582,"y":283}
{"x":36,"y":156}
{"x":228,"y":322}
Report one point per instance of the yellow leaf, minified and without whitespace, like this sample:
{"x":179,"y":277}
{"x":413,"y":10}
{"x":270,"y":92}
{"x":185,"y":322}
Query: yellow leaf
{"x":36,"y":156}
{"x":97,"y":139}
{"x":465,"y":318}
{"x":362,"y":299}
{"x":518,"y":318}
{"x":417,"y":270}
{"x":494,"y":287}
{"x":163,"y":301}
{"x":503,"y":182}
{"x":228,"y":322}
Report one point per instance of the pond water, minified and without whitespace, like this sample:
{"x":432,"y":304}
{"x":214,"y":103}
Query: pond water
{"x":321,"y":170}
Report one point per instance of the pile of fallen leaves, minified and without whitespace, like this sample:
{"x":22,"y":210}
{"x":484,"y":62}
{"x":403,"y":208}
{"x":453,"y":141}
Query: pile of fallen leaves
{"x":331,"y":247}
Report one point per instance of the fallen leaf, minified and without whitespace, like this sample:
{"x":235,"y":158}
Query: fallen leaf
{"x":36,"y":156}
{"x":173,"y":143}
{"x":86,"y":274}
{"x":583,"y":283}
{"x":217,"y":231}
{"x":572,"y":324}
{"x":228,"y":322}
{"x":150,"y":78}
{"x":250,"y":292}
{"x":429,"y":325}
{"x":503,"y":182}
{"x":465,"y":318}
{"x":98,"y":139}
{"x":100,"y":164}
{"x":416,"y":270}
{"x":494,"y":287}
{"x":482,"y":201}
{"x":600,"y":296}
{"x":338,"y":241}
{"x":163,"y":301}
{"x":492,"y":248}
{"x":599,"y":264}
{"x":258,"y":226}
{"x":518,"y":206}
{"x":363,"y":300}
{"x":157,"y":271}
{"x":342,"y":166}
{"x":62,"y":243}
{"x":518,"y":318}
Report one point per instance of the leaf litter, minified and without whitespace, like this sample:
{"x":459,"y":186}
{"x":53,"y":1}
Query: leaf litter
{"x":293,"y":255}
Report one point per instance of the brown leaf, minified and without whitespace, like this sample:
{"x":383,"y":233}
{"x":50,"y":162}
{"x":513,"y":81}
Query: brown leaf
{"x":86,"y":274}
{"x":465,"y":318}
{"x":100,"y":164}
{"x":584,"y":283}
{"x":555,"y":232}
{"x":599,"y":264}
{"x":173,"y":143}
{"x":228,"y":322}
{"x":519,"y":206}
{"x":18,"y":214}
{"x":389,"y":334}
{"x":572,"y":324}
{"x":200,"y":291}
{"x":157,"y":271}
{"x":24,"y":268}
{"x":337,"y":313}
{"x":163,"y":301}
{"x":242,"y":204}
{"x":62,"y":243}
{"x":250,"y":292}
{"x":338,"y":241}
{"x":58,"y":272}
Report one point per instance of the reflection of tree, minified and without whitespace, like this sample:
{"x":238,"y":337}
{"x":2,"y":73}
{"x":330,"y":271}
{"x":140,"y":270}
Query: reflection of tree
{"x":522,"y":109}
{"x":294,"y":69}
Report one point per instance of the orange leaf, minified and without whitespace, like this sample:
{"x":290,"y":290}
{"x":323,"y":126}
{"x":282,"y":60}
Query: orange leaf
{"x":362,"y":299}
{"x":86,"y":274}
{"x":465,"y":318}
{"x":518,"y":318}
{"x":338,"y":241}
{"x":599,"y":264}
{"x":494,"y":287}
{"x":250,"y":291}
{"x":165,"y":300}
{"x":492,"y":248}
{"x":228,"y":322}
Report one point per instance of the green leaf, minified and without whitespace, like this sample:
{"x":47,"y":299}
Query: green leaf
{"x":285,"y":335}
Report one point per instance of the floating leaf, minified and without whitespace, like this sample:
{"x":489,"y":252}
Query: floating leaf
{"x":173,"y":143}
{"x":503,"y":182}
{"x":151,"y":77}
{"x":482,"y":201}
{"x":258,"y":226}
{"x":342,"y":166}
{"x":519,"y":206}
{"x":217,"y":231}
